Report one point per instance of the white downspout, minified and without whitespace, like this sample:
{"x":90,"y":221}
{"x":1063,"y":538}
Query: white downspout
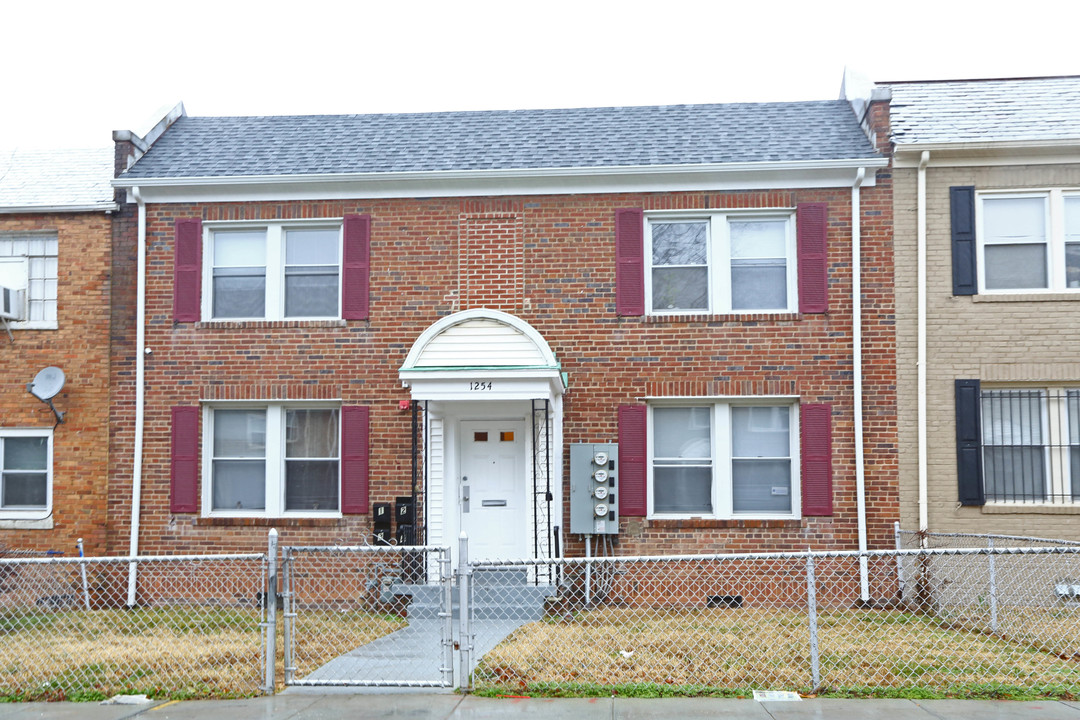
{"x":856,"y":357}
{"x":140,"y":393}
{"x":924,"y":523}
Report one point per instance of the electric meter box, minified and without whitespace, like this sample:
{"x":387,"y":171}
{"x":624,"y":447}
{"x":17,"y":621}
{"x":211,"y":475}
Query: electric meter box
{"x":594,"y":488}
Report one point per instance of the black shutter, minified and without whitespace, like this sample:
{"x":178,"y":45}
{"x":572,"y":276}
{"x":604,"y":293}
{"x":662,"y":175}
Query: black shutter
{"x":969,"y":443}
{"x":965,"y":280}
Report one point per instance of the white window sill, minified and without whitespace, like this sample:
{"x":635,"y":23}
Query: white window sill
{"x":13,"y":523}
{"x":1027,"y":297}
{"x":33,"y":325}
{"x":329,"y":515}
{"x":254,"y":323}
{"x":992,"y":508}
{"x":759,"y":316}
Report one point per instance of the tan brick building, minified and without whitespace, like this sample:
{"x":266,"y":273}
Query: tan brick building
{"x":987,"y":226}
{"x":56,"y":226}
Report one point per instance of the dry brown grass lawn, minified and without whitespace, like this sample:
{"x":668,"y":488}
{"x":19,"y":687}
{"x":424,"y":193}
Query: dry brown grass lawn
{"x":177,"y":652}
{"x":764,"y":649}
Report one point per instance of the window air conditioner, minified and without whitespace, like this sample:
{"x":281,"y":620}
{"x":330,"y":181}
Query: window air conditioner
{"x":12,"y":303}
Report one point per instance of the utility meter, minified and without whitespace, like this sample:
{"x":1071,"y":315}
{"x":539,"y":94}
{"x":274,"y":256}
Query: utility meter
{"x":594,"y":473}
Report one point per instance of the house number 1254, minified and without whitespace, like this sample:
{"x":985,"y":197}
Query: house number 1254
{"x":482,"y":385}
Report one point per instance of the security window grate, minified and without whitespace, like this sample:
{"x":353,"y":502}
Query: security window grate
{"x":1031,"y":445}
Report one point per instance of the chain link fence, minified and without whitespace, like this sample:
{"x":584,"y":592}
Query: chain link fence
{"x":86,"y":628}
{"x":969,"y":621}
{"x":367,"y":615}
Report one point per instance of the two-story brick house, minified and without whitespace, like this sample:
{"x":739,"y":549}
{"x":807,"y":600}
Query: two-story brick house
{"x":56,"y":226}
{"x":347,"y":310}
{"x":987,"y":233}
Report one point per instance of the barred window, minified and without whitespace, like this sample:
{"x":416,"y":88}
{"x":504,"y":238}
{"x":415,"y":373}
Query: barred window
{"x":1031,"y":444}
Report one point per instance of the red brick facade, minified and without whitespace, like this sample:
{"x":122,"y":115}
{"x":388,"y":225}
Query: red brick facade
{"x":80,"y":347}
{"x":550,"y":260}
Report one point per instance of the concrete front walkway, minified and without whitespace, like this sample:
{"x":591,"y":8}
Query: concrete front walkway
{"x":444,"y":706}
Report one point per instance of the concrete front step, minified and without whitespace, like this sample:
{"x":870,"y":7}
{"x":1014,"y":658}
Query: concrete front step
{"x":489,"y":600}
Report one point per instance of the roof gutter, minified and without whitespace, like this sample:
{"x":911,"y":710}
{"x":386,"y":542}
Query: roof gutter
{"x":557,"y":172}
{"x":23,"y":209}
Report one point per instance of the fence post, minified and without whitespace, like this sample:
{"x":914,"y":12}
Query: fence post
{"x":270,"y":598}
{"x":447,"y":614}
{"x":993,"y":589}
{"x":465,"y":631}
{"x":811,"y":605}
{"x":899,"y":559}
{"x":289,"y":611}
{"x":82,"y":571}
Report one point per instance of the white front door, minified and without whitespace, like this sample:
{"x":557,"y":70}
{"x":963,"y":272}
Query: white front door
{"x":493,"y":496}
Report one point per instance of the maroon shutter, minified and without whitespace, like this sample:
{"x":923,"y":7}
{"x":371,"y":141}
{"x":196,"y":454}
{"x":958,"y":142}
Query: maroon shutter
{"x":630,"y":474}
{"x":630,"y":261}
{"x":816,"y":456}
{"x":187,"y":270}
{"x":812,"y":220}
{"x":184,"y":460}
{"x":356,"y":268}
{"x":355,"y":424}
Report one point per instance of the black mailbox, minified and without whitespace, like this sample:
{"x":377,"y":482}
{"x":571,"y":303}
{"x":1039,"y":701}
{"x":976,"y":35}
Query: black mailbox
{"x":404,"y":511}
{"x":382,"y":517}
{"x":381,"y":536}
{"x":405,"y":535}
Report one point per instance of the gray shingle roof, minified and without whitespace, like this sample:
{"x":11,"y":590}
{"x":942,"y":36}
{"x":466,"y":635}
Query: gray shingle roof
{"x":985,"y":110}
{"x":56,"y":178}
{"x":505,"y":140}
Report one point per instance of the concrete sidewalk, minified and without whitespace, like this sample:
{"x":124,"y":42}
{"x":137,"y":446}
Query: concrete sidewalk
{"x":424,"y":706}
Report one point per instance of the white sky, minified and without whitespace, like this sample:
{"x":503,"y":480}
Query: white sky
{"x":73,"y":71}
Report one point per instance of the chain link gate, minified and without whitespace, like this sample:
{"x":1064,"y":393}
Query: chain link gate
{"x":367,"y":616}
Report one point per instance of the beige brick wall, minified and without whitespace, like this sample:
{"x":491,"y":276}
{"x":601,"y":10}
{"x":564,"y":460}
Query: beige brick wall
{"x":1021,"y":339}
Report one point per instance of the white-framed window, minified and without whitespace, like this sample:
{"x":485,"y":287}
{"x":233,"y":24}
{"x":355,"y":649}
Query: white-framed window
{"x":272,"y":460}
{"x":721,"y":262}
{"x":272,"y":272}
{"x":28,"y":263}
{"x":733,"y":458}
{"x":1031,"y":444}
{"x":25,"y":474}
{"x":1029,"y":241}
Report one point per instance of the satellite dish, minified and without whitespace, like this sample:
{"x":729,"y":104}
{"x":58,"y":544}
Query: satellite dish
{"x":47,"y":383}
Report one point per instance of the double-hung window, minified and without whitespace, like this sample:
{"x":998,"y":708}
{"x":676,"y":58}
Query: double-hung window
{"x":274,"y":272}
{"x":721,"y":263}
{"x":1029,"y":241}
{"x":25,"y":474}
{"x":1031,"y":444}
{"x":272,"y":460}
{"x":28,"y":271}
{"x":725,"y":459}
